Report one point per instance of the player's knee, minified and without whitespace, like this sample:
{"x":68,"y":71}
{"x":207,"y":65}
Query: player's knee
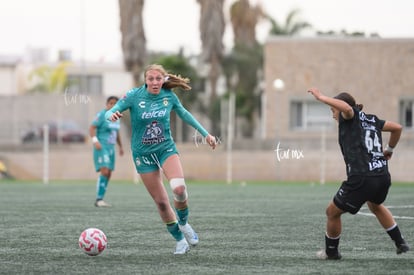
{"x":179,"y":189}
{"x":332,"y":211}
{"x":105,"y":172}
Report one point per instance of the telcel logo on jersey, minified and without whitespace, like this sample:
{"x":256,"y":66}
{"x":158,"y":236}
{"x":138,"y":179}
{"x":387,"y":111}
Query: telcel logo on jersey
{"x":154,"y":114}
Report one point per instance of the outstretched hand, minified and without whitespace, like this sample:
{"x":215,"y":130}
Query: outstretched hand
{"x":115,"y":116}
{"x":211,"y":140}
{"x":315,"y":92}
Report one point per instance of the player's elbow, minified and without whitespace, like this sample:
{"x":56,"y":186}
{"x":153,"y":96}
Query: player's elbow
{"x":348,"y":110}
{"x":393,"y":127}
{"x":397,"y":130}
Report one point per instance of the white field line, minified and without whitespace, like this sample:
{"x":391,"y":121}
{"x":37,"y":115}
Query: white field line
{"x":390,"y":207}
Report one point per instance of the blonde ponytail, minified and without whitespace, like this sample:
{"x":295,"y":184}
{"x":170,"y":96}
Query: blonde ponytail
{"x":171,"y":81}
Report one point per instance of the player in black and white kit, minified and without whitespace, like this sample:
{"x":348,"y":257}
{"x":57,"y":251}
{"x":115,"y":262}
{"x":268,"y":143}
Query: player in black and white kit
{"x":368,"y":179}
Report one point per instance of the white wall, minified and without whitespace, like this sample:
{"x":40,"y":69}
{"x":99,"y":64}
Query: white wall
{"x":8,"y":81}
{"x":116,"y":83}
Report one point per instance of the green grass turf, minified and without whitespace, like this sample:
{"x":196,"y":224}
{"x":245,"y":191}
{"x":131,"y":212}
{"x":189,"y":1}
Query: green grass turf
{"x":252,"y":228}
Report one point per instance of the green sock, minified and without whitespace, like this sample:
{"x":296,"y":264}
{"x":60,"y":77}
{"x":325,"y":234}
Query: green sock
{"x":172,"y":227}
{"x":182,"y":215}
{"x":101,"y":186}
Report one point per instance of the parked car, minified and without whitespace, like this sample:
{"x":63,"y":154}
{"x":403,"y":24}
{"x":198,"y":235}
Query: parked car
{"x":64,"y":131}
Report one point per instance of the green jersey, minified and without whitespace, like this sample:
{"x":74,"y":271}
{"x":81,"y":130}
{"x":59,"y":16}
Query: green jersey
{"x":150,"y":118}
{"x":106,"y":131}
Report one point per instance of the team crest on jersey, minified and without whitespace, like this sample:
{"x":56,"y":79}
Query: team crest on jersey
{"x":153,"y":134}
{"x":165,"y":101}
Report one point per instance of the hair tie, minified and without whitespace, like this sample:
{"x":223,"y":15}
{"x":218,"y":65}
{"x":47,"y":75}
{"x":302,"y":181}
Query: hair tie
{"x":166,"y":78}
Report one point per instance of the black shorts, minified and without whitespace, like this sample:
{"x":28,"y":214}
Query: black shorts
{"x":357,"y":190}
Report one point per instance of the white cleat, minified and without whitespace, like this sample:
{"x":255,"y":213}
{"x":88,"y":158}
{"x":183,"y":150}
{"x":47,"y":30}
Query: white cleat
{"x":321,"y":254}
{"x":189,"y":234}
{"x":182,"y":247}
{"x":102,"y":203}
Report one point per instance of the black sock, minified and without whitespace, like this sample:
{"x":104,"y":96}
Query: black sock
{"x":331,"y":246}
{"x":395,"y":235}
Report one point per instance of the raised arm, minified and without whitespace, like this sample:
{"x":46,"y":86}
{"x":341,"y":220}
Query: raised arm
{"x":344,"y":108}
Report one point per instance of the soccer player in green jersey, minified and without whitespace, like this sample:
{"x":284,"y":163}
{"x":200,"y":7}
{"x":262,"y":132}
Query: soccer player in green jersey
{"x":368,"y":178}
{"x":104,"y":134}
{"x":154,"y":150}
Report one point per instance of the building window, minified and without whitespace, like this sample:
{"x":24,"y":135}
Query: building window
{"x":85,"y":84}
{"x":309,"y":115}
{"x":406,"y":113}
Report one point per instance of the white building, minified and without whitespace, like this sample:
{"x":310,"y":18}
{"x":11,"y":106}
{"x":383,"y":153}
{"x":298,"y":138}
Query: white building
{"x":83,"y":77}
{"x":10,"y":73}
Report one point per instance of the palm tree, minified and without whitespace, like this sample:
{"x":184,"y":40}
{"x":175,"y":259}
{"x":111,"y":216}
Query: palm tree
{"x":133,"y":36}
{"x":291,"y":26}
{"x":48,"y":79}
{"x":245,"y":61}
{"x":133,"y":42}
{"x":244,"y":19}
{"x":212,"y":26}
{"x":211,"y":33}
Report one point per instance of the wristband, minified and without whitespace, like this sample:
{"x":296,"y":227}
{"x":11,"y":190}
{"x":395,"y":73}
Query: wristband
{"x":95,"y":139}
{"x":389,"y":148}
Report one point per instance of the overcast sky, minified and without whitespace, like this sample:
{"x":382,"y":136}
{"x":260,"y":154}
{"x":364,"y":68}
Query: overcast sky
{"x":93,"y":33}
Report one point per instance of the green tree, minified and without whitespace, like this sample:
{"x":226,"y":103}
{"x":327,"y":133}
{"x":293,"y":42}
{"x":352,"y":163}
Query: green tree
{"x":47,"y":79}
{"x":292,"y":25}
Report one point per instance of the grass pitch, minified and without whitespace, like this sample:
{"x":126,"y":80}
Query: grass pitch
{"x":252,"y":228}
